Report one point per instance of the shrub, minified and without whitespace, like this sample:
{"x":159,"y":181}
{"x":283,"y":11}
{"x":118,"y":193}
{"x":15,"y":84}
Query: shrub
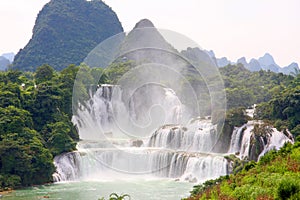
{"x":9,"y":181}
{"x":288,"y":188}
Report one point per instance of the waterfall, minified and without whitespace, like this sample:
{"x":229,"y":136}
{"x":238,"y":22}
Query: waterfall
{"x":171,"y":151}
{"x":150,"y":136}
{"x":198,"y":136}
{"x":96,"y":118}
{"x":243,"y":140}
{"x":103,"y":164}
{"x":276,"y":141}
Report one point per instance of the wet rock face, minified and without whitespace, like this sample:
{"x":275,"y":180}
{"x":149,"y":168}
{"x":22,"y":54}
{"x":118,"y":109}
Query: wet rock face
{"x":261,"y":136}
{"x":257,"y":146}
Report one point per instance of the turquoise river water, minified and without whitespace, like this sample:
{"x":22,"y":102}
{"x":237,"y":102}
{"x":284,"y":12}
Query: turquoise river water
{"x":157,"y":189}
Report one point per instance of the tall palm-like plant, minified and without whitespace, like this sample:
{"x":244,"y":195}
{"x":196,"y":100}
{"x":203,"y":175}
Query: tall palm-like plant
{"x":115,"y":196}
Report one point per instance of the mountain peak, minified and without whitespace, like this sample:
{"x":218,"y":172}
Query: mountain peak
{"x":268,"y":55}
{"x":242,"y":60}
{"x":65,"y":32}
{"x":267,"y":60}
{"x":211,"y":53}
{"x":292,"y":65}
{"x":144,"y":23}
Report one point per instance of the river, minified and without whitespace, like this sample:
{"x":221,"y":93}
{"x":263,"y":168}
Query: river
{"x":138,"y":189}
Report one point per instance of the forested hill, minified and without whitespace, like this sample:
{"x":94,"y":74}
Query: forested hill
{"x":65,"y":32}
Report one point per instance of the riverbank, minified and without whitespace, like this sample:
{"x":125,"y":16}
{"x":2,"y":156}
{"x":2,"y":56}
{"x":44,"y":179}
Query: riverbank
{"x":6,"y":192}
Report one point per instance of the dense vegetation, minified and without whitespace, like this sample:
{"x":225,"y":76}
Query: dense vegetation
{"x":65,"y":32}
{"x":283,"y":109}
{"x":35,"y":114}
{"x":275,"y":176}
{"x":245,"y":88}
{"x":35,"y":120}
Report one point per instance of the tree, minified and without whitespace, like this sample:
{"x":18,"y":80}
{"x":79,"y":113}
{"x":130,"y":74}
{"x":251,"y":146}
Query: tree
{"x":236,"y":117}
{"x":48,"y":100}
{"x":44,"y":73}
{"x":7,"y":98}
{"x":238,"y":97}
{"x":23,"y":155}
{"x":26,"y":155}
{"x":14,"y":120}
{"x":59,"y":140}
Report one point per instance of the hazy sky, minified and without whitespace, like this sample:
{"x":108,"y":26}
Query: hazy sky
{"x":232,"y":28}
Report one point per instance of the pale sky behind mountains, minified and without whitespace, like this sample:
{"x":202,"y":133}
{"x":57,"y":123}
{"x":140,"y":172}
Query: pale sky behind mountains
{"x":232,"y":28}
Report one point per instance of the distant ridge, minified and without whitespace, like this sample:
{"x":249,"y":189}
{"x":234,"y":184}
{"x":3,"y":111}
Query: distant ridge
{"x":266,"y":62}
{"x":65,"y":32}
{"x":4,"y":63}
{"x":5,"y":60}
{"x":10,"y":56}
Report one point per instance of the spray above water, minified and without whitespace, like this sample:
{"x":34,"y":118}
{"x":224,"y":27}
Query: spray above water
{"x":141,"y":122}
{"x":161,"y":85}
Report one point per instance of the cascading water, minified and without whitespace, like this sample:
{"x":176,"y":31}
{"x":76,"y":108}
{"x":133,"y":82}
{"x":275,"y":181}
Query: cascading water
{"x":110,"y":146}
{"x":173,"y":151}
{"x":244,"y":140}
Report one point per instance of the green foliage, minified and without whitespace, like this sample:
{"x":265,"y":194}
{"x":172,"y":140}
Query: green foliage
{"x":245,"y":88}
{"x":238,"y":164}
{"x":8,"y":93}
{"x":44,"y":73}
{"x":236,"y":117}
{"x":239,"y":97}
{"x":296,"y":132}
{"x":116,"y":70}
{"x":283,"y":108}
{"x":288,"y":189}
{"x":23,"y":155}
{"x":10,"y":76}
{"x":65,"y":32}
{"x":59,"y":140}
{"x":114,"y":196}
{"x":14,"y":120}
{"x":35,"y":124}
{"x":278,"y":96}
{"x":7,"y":181}
{"x":7,"y":98}
{"x":275,"y":176}
{"x":207,"y":185}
